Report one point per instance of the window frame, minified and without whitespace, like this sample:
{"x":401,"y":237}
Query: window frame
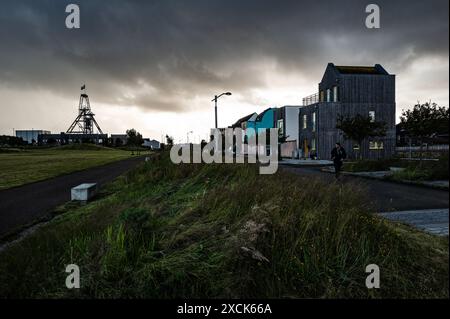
{"x":313,"y":144}
{"x":280,"y":126}
{"x":314,"y":121}
{"x":376,"y":145}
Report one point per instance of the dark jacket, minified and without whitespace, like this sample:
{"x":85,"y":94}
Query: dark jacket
{"x":338,"y":155}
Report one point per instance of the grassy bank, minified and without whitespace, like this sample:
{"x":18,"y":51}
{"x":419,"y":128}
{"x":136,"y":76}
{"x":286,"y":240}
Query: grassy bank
{"x":170,"y":231}
{"x":18,"y":167}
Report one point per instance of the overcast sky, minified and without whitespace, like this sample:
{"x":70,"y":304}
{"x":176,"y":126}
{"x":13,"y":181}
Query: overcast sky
{"x":156,"y":65}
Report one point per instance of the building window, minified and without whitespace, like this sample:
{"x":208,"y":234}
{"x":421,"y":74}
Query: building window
{"x":335,"y":93}
{"x":280,"y":127}
{"x":372,"y":116}
{"x":305,"y":121}
{"x":356,"y":147}
{"x":314,"y":121}
{"x":328,"y":95}
{"x":313,"y":144}
{"x":322,"y":96}
{"x":376,"y":145}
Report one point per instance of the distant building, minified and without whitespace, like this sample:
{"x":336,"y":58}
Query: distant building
{"x":119,"y":139}
{"x":287,"y":124}
{"x":266,"y":120}
{"x":152,"y":144}
{"x":69,"y":138}
{"x":244,"y":123}
{"x":30,"y":136}
{"x":255,"y":124}
{"x":347,"y":91}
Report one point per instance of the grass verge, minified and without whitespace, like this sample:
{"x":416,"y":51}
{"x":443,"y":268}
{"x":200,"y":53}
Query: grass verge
{"x":31,"y":165}
{"x":193,"y":231}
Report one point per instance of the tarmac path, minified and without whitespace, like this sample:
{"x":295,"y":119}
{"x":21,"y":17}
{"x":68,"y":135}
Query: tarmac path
{"x":20,"y":206}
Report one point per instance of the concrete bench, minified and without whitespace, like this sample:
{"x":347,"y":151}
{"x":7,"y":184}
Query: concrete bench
{"x":84,"y":192}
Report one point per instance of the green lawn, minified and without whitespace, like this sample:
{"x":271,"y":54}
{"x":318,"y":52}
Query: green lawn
{"x":22,"y":166}
{"x":224,"y":231}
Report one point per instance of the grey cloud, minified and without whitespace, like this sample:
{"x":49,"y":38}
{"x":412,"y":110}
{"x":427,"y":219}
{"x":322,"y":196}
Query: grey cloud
{"x":185,"y":49}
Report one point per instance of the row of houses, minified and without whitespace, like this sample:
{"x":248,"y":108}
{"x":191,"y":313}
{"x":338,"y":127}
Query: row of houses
{"x":309,"y":130}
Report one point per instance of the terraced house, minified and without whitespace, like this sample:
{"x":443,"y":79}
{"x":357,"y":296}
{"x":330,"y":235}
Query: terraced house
{"x":347,"y":91}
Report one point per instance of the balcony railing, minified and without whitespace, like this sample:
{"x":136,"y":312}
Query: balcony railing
{"x":311,"y":99}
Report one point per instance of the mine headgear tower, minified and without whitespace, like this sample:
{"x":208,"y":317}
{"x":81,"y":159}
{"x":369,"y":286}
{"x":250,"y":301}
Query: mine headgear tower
{"x":85,"y":121}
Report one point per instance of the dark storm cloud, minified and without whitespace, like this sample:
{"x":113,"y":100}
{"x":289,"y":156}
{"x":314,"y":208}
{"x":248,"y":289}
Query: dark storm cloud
{"x":160,"y":54}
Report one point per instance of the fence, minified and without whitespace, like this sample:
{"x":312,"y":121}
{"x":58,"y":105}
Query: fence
{"x":430,"y":148}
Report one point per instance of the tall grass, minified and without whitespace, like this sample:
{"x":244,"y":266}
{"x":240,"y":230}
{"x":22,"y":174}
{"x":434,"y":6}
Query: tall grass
{"x":225,"y":231}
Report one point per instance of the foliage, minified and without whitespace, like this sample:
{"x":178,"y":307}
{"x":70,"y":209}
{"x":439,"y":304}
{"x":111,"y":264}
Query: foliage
{"x":134,"y":138}
{"x":359,"y":127}
{"x":425,"y":121}
{"x":6,"y":140}
{"x":169,"y":141}
{"x":425,"y":171}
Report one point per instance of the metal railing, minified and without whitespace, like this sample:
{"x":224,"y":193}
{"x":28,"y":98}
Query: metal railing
{"x":311,"y":99}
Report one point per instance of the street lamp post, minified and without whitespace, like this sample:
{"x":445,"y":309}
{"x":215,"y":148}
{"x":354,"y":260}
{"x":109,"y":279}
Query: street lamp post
{"x":216,"y":97}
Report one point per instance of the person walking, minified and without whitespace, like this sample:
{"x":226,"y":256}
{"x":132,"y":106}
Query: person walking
{"x":338,"y":155}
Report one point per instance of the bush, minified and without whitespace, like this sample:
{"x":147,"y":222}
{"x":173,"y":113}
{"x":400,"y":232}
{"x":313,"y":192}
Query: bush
{"x":425,"y":170}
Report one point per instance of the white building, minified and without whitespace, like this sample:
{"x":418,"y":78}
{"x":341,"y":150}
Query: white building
{"x":152,"y":144}
{"x":287,"y":123}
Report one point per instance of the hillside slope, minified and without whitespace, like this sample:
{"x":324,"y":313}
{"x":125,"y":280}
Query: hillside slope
{"x":166,"y":231}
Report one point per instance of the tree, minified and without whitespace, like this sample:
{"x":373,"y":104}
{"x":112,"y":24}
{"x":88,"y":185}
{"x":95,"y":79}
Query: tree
{"x":425,"y":121}
{"x":359,"y":127}
{"x":169,"y":141}
{"x":118,"y":142}
{"x":134,"y":138}
{"x":7,"y":140}
{"x":282,"y":138}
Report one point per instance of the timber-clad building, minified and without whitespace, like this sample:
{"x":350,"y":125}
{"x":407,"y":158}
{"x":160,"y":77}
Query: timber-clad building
{"x":347,"y":91}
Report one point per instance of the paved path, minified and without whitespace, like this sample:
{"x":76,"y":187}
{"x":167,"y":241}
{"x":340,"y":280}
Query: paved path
{"x":23,"y":205}
{"x":385,"y":196}
{"x":401,"y":200}
{"x":434,"y":221}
